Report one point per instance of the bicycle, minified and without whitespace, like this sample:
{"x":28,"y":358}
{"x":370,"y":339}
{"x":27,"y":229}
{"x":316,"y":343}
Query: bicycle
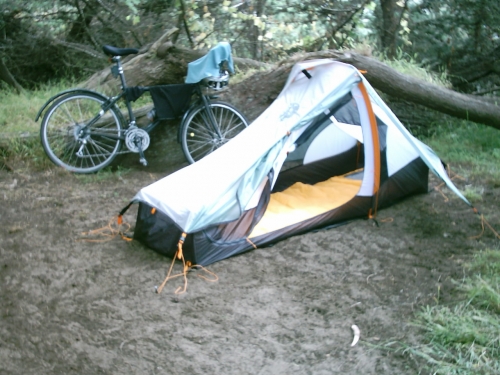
{"x":83,"y":130}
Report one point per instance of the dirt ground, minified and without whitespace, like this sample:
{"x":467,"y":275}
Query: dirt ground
{"x":71,"y":306}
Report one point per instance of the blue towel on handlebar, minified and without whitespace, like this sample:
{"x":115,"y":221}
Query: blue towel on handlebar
{"x":209,"y":65}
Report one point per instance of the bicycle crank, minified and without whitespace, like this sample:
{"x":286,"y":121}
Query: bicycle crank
{"x":137,"y":140}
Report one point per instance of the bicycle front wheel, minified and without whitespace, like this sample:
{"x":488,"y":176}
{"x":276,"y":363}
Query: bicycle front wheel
{"x":200,"y":136}
{"x":78,"y":136}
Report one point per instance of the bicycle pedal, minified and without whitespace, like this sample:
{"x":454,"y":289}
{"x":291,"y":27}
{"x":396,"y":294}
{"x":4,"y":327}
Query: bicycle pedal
{"x":143,"y":161}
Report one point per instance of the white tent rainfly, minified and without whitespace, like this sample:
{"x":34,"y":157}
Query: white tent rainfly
{"x":326,"y":151}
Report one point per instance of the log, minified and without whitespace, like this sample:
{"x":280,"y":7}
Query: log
{"x":391,"y":82}
{"x":165,"y":63}
{"x":162,"y":63}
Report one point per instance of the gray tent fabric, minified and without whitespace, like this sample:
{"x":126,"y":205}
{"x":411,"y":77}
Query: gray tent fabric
{"x":219,"y":187}
{"x":352,"y":157}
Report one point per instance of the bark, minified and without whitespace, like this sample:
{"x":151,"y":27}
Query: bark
{"x":390,"y":25}
{"x":164,"y":63}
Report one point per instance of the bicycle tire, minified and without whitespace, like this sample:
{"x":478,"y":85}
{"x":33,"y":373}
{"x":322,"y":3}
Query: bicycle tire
{"x":198,"y":137}
{"x":74,"y":147}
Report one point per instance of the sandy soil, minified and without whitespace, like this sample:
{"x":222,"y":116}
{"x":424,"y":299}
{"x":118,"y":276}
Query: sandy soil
{"x":70,"y":306}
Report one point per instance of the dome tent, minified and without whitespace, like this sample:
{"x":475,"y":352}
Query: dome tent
{"x":326,"y":151}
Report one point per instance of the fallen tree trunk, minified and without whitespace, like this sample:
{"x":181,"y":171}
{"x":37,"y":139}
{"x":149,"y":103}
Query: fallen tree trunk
{"x":391,"y":82}
{"x":164,"y":63}
{"x":385,"y":79}
{"x":161,"y":63}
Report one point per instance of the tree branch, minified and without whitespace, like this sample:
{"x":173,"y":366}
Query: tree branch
{"x":183,"y":11}
{"x":120,"y":20}
{"x":8,"y":78}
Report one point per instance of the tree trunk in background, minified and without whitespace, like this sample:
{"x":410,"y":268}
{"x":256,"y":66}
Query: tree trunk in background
{"x":79,"y":28}
{"x":255,"y":7}
{"x":164,"y":63}
{"x":391,"y":17}
{"x":9,"y":78}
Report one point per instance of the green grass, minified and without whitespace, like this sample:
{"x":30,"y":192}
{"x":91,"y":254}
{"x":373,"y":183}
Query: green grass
{"x":465,"y":338}
{"x":19,"y":132}
{"x":484,"y":290}
{"x":472,"y":150}
{"x":18,"y":111}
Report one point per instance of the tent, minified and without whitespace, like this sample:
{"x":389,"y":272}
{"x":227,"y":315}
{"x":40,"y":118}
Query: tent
{"x":326,"y":151}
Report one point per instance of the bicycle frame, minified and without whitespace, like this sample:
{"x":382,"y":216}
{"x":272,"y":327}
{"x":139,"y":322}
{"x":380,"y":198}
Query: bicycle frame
{"x":117,"y":72}
{"x":91,"y":134}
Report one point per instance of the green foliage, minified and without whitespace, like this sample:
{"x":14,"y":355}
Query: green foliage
{"x":269,"y":30}
{"x":132,"y":4}
{"x":409,"y":65}
{"x":459,"y":35}
{"x":44,"y":39}
{"x":465,"y":338}
{"x":451,"y":26}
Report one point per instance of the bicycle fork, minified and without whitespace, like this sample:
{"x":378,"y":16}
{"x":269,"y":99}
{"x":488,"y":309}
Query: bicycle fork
{"x":211,"y":117}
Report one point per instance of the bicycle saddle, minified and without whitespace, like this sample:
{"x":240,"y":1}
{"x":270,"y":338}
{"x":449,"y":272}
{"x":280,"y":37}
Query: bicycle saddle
{"x":115,"y":51}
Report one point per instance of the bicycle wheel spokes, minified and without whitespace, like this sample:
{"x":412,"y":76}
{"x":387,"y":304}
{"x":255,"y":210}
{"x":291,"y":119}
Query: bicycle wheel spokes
{"x":200,"y":138}
{"x":230,"y":123}
{"x":71,"y":142}
{"x":201,"y":135}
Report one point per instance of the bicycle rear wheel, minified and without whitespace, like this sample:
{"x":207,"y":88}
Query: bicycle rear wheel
{"x":198,"y":136}
{"x":71,"y":143}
